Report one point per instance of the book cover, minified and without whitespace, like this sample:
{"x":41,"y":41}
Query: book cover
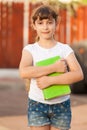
{"x":53,"y":91}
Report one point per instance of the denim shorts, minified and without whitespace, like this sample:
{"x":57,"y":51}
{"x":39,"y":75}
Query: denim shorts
{"x":56,"y":115}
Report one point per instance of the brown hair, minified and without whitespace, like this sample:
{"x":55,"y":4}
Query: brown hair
{"x":44,"y":12}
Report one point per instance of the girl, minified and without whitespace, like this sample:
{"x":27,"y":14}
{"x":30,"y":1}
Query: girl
{"x":53,"y":114}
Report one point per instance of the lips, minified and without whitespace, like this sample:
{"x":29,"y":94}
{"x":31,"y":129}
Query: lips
{"x":45,"y":32}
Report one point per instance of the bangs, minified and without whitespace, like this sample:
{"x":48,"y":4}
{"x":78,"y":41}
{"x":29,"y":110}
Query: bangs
{"x":44,"y":12}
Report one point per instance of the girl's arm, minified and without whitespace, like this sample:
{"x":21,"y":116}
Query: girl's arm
{"x":75,"y":74}
{"x":28,"y":71}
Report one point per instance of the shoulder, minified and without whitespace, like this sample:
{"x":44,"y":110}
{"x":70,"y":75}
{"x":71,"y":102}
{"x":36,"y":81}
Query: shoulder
{"x":29,"y":47}
{"x":63,"y":45}
{"x":65,"y":48}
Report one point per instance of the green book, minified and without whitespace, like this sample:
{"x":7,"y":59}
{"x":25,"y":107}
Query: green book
{"x":53,"y":91}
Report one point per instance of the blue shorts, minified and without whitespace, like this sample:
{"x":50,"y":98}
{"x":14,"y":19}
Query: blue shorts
{"x":57,"y":115}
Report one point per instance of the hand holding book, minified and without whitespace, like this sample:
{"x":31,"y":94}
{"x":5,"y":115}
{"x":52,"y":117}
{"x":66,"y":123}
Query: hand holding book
{"x":45,"y":81}
{"x":60,"y":66}
{"x":52,"y":91}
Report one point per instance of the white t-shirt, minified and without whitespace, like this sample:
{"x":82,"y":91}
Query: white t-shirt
{"x":39,"y":53}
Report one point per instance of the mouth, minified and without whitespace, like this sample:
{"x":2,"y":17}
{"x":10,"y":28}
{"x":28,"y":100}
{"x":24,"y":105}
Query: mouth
{"x":45,"y":32}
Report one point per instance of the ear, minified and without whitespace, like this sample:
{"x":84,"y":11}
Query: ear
{"x":33,"y":26}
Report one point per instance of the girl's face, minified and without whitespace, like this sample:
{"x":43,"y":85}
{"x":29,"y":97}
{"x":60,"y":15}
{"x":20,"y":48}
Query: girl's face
{"x":45,"y":28}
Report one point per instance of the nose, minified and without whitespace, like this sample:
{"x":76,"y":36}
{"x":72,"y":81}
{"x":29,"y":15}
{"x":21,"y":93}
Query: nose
{"x":45,"y":26}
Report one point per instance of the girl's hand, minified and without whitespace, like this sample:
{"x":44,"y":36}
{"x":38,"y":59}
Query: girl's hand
{"x":43,"y":82}
{"x":60,"y":66}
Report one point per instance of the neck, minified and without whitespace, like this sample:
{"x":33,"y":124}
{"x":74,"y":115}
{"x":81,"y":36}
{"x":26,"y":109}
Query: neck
{"x":47,"y":43}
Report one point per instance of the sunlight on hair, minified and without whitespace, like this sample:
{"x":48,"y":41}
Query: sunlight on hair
{"x":65,"y":1}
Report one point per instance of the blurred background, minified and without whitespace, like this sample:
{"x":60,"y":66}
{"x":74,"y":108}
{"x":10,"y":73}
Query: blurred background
{"x":15,"y":33}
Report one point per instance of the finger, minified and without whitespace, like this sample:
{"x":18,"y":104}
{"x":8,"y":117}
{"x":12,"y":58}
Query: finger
{"x":62,"y":59}
{"x":66,"y":69}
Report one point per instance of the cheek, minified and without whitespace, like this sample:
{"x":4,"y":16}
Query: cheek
{"x":38,"y":28}
{"x":53,"y":27}
{"x":53,"y":30}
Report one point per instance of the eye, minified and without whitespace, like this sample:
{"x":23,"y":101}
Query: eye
{"x":50,"y":22}
{"x":39,"y":22}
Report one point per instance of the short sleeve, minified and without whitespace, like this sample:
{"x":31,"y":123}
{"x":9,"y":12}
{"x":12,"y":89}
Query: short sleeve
{"x":29,"y":48}
{"x":67,"y":51}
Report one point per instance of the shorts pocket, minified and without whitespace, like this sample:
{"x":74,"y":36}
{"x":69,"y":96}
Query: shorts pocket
{"x":66,"y":104}
{"x":33,"y":103}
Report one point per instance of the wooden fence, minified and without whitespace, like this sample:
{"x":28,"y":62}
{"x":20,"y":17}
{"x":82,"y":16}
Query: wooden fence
{"x":11,"y":34}
{"x":72,"y":29}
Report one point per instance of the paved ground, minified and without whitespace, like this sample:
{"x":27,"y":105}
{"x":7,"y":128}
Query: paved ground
{"x":13,"y":104}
